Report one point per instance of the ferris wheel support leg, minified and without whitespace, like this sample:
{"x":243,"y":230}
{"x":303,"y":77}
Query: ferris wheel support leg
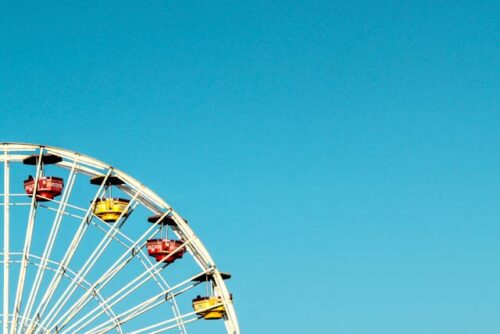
{"x":27,"y":246}
{"x":6,"y":245}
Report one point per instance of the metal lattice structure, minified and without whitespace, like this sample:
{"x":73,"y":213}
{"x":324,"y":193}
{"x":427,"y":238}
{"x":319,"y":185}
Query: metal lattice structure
{"x":79,"y":254}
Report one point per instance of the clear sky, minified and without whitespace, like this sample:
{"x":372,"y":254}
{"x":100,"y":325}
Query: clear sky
{"x":340,"y":158}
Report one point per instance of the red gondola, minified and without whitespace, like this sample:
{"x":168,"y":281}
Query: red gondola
{"x":48,"y":187}
{"x":164,"y":248}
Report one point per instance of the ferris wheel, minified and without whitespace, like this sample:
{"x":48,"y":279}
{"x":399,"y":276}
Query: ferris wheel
{"x":89,"y":249}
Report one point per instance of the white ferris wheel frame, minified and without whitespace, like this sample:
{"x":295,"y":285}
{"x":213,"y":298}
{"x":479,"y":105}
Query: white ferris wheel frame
{"x":78,"y":163}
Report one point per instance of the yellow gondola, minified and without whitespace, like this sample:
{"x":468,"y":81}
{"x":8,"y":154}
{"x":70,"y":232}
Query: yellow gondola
{"x":204,"y":306}
{"x":110,"y":209}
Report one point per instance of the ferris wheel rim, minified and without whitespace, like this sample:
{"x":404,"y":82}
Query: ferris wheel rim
{"x":160,"y":206}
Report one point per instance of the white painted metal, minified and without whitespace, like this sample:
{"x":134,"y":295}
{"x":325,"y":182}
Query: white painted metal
{"x":69,"y":319}
{"x":126,"y":290}
{"x":6,"y":244}
{"x":67,"y":258}
{"x":101,"y":282}
{"x":100,"y":249}
{"x":17,"y":257}
{"x":50,"y":243}
{"x":27,"y":245}
{"x":137,"y":309}
{"x":132,"y":247}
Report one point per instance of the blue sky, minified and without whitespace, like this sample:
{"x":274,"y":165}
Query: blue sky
{"x":341,"y":159}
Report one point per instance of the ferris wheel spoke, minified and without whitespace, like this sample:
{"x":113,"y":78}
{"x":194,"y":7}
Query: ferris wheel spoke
{"x":124,"y":318}
{"x":128,"y":317}
{"x":162,"y":283}
{"x":159,"y":327}
{"x":56,"y":279}
{"x":129,"y":288}
{"x":50,"y":243}
{"x":91,"y":261}
{"x":142,"y":198}
{"x":68,"y":274}
{"x":64,"y":213}
{"x":6,"y":245}
{"x":105,"y":278}
{"x":151,"y":330}
{"x":115,"y":237}
{"x":166,"y":325}
{"x":136,"y":310}
{"x":145,"y":260}
{"x":27,"y":245}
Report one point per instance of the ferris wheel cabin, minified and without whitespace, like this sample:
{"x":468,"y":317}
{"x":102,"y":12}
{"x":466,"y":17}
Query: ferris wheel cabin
{"x":108,"y":208}
{"x":164,"y":249}
{"x":111,"y":209}
{"x":47,"y":187}
{"x":210,"y":308}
